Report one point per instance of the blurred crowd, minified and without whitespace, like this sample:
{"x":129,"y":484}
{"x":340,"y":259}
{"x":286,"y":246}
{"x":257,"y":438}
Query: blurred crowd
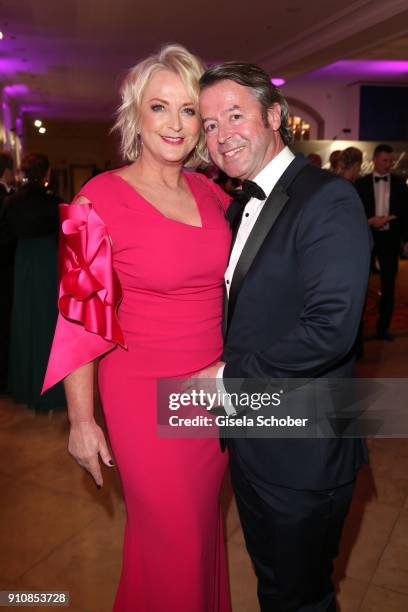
{"x":385,"y":199}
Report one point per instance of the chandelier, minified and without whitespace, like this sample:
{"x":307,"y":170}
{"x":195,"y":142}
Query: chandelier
{"x":300,"y":128}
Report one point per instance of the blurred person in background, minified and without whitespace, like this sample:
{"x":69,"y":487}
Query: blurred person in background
{"x":228,"y":183}
{"x":7,"y":250}
{"x":219,"y":177}
{"x":315,"y":159}
{"x":385,"y":199}
{"x":349,"y":163}
{"x":334,"y":160}
{"x":31,"y":218}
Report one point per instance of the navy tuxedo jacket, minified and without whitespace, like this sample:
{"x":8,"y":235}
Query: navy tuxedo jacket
{"x":294,"y":309}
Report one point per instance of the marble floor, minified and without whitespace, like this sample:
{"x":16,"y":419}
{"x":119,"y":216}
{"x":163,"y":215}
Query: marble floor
{"x":57,"y":531}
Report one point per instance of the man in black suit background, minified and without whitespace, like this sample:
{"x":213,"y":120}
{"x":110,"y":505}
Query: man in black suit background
{"x":385,"y":199}
{"x":7,"y":249}
{"x":296,"y":284}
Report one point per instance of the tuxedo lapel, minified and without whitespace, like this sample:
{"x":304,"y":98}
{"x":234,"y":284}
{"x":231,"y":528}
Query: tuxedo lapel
{"x":267,"y":218}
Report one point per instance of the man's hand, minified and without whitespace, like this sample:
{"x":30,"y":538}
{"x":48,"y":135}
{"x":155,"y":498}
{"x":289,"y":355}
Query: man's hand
{"x":205,"y":380}
{"x":378,"y":221}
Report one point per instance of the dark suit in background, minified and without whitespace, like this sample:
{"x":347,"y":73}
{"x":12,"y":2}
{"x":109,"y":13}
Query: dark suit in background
{"x":7,"y":252}
{"x":387,"y":243}
{"x":32,"y":218}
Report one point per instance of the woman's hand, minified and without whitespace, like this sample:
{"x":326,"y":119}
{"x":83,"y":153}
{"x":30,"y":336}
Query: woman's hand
{"x":86,"y":442}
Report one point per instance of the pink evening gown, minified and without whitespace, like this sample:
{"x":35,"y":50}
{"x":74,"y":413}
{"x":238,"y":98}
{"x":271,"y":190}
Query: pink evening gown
{"x":144,"y":294}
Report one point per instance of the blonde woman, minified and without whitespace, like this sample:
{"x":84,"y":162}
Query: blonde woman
{"x":145,"y":248}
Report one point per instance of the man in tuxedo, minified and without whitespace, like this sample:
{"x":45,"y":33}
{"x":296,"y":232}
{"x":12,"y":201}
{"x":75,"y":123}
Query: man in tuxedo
{"x":385,"y":199}
{"x":295,"y":289}
{"x":7,"y":248}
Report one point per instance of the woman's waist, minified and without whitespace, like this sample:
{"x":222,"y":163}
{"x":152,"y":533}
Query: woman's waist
{"x":166,"y":361}
{"x":175,"y":340}
{"x":155,"y":319}
{"x":186,"y":334}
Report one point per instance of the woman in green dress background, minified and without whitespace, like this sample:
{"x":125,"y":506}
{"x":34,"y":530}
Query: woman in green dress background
{"x":32,"y":217}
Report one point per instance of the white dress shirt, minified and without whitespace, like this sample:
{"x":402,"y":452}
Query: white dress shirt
{"x":382,"y":197}
{"x":267,"y":179}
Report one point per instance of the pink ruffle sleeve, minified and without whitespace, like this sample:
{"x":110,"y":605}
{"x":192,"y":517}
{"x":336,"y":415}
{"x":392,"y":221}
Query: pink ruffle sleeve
{"x":89,"y":294}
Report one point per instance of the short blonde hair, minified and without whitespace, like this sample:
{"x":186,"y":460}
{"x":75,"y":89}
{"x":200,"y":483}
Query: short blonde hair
{"x":177,"y":59}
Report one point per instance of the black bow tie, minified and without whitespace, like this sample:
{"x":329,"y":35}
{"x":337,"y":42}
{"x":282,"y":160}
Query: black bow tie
{"x":381,"y":178}
{"x":241,"y":198}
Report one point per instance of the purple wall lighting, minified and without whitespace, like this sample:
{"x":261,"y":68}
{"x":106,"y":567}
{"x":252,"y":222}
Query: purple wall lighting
{"x":9,"y":66}
{"x":362,"y":69}
{"x":6,"y":115}
{"x":17,"y":90}
{"x":19,"y":127}
{"x":36,"y":109}
{"x":278,"y":82}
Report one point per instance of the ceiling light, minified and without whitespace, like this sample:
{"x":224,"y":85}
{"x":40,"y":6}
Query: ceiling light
{"x":1,"y":34}
{"x":42,"y":130}
{"x":278,"y":82}
{"x":37,"y":123}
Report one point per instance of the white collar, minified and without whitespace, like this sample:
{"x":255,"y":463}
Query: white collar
{"x":269,"y":176}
